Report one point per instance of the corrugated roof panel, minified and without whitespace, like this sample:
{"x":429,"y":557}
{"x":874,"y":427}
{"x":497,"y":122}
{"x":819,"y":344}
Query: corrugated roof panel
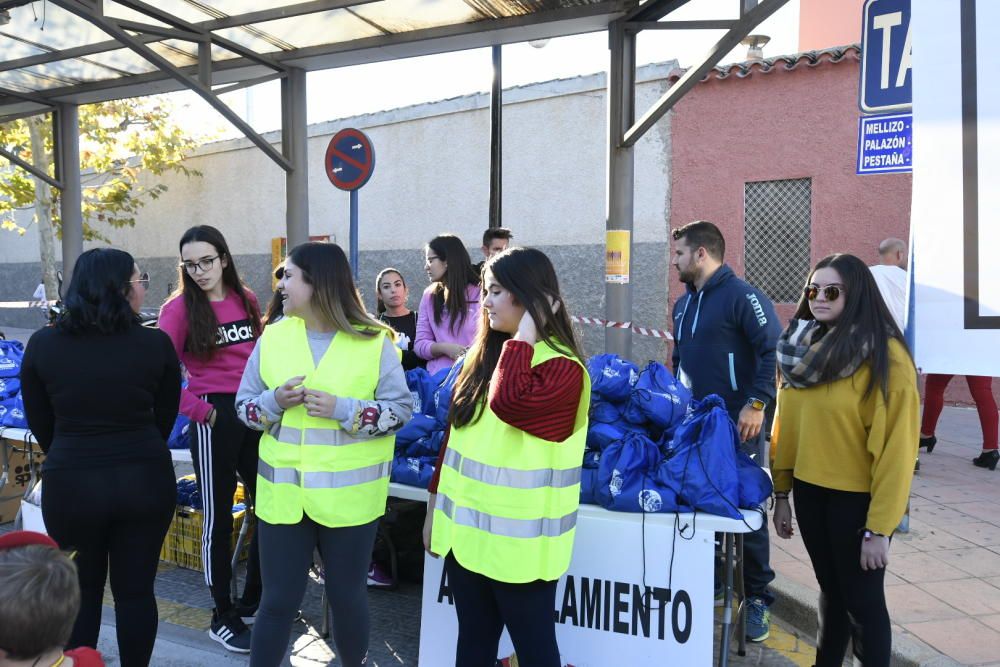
{"x":407,"y":15}
{"x":50,"y":26}
{"x":338,"y":25}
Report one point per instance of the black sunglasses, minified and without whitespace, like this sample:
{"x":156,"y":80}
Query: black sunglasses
{"x":830,"y":292}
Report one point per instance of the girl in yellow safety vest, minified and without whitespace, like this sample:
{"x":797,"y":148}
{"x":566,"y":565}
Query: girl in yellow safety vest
{"x":326,"y":386}
{"x":507,"y":485}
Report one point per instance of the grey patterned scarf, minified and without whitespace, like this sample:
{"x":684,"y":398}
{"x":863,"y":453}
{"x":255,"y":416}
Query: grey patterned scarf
{"x":803,"y":355}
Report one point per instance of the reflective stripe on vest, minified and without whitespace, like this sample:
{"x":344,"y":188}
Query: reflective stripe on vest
{"x":313,"y":436}
{"x":511,"y":477}
{"x":498,"y":525}
{"x":323,"y":480}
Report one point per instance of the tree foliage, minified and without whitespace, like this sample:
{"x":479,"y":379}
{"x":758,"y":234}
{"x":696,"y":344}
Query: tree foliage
{"x":124,"y":146}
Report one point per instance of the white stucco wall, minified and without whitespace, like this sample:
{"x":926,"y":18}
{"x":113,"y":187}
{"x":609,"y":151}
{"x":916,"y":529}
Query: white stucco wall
{"x":431,"y":176}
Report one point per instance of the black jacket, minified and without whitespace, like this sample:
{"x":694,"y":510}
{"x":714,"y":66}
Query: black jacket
{"x":725,"y":337}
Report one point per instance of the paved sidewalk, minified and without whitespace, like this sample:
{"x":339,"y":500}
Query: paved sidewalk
{"x":943,"y":580}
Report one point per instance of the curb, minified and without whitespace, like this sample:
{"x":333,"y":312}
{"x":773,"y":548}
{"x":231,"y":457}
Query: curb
{"x":797,"y":605}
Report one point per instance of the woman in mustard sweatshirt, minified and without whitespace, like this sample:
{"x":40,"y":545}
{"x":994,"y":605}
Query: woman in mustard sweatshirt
{"x":847,"y":429}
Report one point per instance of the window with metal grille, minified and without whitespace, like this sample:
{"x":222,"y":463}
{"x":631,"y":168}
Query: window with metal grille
{"x":776,"y":227}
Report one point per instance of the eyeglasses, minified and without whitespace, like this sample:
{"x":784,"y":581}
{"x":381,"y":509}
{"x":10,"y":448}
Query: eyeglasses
{"x":431,"y":258}
{"x":202,"y":265}
{"x":143,"y":280}
{"x":830,"y":292}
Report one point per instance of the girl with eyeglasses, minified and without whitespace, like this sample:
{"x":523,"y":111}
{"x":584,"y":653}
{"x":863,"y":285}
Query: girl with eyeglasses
{"x":214,"y":320}
{"x":448,"y":314}
{"x":845,"y":439}
{"x":100,"y":395}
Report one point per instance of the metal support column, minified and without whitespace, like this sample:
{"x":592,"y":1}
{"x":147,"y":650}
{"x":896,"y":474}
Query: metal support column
{"x":621,"y":179}
{"x":496,"y":139}
{"x":294,"y":141}
{"x":66,"y":130}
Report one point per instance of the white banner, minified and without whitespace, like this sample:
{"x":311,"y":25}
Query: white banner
{"x":956,"y":204}
{"x":609,"y":611}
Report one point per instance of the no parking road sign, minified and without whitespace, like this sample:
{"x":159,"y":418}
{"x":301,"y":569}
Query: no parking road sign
{"x":350,"y":159}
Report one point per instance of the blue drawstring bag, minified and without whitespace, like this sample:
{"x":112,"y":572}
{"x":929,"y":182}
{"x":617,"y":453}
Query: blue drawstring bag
{"x":626,"y":479}
{"x":9,"y":387}
{"x":588,"y":486}
{"x":612,"y":377}
{"x":599,"y":436}
{"x":422,"y":387}
{"x":429,"y":445}
{"x":602,"y":412}
{"x":442,"y":395}
{"x":180,"y":434}
{"x":419,"y":426}
{"x":11,"y":355}
{"x":701,"y":464}
{"x":413,"y":471}
{"x":755,"y":484}
{"x":188,"y":494}
{"x":14,"y":413}
{"x":588,"y":476}
{"x":659,"y":397}
{"x":633,"y":414}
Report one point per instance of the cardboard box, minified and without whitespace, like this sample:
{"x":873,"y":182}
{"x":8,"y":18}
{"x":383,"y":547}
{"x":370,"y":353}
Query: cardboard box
{"x":18,"y":476}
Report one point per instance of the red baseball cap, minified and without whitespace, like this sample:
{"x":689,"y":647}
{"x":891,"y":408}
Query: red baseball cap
{"x":23,"y":538}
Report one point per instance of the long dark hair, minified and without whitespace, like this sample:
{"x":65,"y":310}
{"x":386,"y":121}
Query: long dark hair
{"x":449,"y":292}
{"x":379,"y":305}
{"x":865,"y":321}
{"x":335,"y":298}
{"x":203,"y":326}
{"x":276,"y":307}
{"x":96,"y":299}
{"x":529,"y":276}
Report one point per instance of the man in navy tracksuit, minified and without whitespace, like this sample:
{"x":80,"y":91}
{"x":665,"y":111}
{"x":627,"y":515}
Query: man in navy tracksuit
{"x":725,"y":336}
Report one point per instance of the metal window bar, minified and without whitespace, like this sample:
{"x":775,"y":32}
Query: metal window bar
{"x":777,"y":232}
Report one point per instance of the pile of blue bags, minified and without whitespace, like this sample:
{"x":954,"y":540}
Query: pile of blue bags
{"x":419,"y":441}
{"x":11,"y":404}
{"x":651,"y":448}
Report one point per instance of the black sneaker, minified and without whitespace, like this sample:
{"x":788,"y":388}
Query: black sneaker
{"x":230,"y":631}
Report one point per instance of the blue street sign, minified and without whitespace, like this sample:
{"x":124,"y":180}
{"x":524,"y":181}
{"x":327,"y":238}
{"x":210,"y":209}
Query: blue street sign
{"x":886,"y":72}
{"x":885,"y":144}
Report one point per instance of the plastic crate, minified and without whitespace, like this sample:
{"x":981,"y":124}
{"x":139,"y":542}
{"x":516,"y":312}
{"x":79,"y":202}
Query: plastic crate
{"x":182,"y":544}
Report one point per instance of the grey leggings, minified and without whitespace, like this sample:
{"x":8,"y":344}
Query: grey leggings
{"x":285,"y":554}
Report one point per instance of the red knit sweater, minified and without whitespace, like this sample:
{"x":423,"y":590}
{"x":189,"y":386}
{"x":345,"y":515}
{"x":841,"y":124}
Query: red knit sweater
{"x":541,"y":401}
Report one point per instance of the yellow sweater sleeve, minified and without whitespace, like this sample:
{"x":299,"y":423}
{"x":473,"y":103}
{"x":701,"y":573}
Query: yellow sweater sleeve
{"x":892,"y":442}
{"x":782,"y":455}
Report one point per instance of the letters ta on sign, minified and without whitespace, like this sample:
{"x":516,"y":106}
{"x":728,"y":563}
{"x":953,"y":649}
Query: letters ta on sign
{"x":886,"y":66}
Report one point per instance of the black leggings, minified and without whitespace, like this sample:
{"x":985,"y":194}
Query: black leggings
{"x":484,"y":606}
{"x":219,"y":454}
{"x":115,"y":516}
{"x":286,"y":551}
{"x":851,"y":600}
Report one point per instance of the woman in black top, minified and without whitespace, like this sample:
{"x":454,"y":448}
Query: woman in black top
{"x":101,"y":394}
{"x":392,"y":295}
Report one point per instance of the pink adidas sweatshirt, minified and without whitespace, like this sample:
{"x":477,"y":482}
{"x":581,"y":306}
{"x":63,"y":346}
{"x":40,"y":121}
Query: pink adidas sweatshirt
{"x":222,"y":372}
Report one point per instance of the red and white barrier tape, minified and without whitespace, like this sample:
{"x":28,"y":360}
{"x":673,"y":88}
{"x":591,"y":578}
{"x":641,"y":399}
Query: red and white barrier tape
{"x":26,"y":304}
{"x":607,"y":324}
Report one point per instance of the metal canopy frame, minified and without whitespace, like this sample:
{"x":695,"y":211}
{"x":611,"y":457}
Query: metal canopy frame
{"x":624,"y":131}
{"x":623,"y":19}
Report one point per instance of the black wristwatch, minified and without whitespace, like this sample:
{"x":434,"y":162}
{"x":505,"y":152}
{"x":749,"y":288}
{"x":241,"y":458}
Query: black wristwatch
{"x":756,"y":403}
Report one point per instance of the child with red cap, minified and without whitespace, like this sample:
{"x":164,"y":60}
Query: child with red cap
{"x":39,"y":600}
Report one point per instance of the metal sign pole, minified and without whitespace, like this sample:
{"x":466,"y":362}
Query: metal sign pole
{"x":354,"y":234}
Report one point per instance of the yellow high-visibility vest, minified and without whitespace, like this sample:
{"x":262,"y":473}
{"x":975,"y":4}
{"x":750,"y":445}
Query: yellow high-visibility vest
{"x":507,"y":501}
{"x":301,"y":469}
